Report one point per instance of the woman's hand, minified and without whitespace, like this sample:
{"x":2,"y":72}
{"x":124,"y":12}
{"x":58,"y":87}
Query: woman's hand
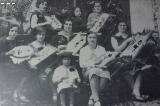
{"x":49,"y":20}
{"x":32,"y":67}
{"x":129,"y":40}
{"x":10,"y":52}
{"x":62,"y":47}
{"x":146,"y":67}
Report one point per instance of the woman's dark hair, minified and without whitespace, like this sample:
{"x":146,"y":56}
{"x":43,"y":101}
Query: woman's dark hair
{"x":11,"y":26}
{"x":68,"y":19}
{"x":74,"y":10}
{"x":40,"y":2}
{"x":91,"y":33}
{"x":97,"y":2}
{"x":39,"y":30}
{"x":121,"y":21}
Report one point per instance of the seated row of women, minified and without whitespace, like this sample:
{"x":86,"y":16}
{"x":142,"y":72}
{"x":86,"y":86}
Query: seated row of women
{"x":88,"y":60}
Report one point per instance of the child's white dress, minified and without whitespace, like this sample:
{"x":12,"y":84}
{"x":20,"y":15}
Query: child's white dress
{"x":65,"y":77}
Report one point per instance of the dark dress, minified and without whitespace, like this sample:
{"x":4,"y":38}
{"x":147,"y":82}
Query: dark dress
{"x":151,"y":76}
{"x":119,"y":39}
{"x":61,"y":39}
{"x":10,"y":74}
{"x":118,"y":81}
{"x":78,"y":24}
{"x":5,"y":46}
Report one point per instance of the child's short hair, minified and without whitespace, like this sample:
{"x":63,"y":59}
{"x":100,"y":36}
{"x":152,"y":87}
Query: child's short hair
{"x":66,"y":55}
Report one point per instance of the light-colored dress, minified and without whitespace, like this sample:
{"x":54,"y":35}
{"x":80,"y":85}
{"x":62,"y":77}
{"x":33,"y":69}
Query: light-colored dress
{"x":92,"y":19}
{"x":88,"y":59}
{"x":65,"y":77}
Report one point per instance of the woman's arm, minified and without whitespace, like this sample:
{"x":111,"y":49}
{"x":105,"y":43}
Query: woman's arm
{"x":119,"y":48}
{"x":57,"y":76}
{"x":34,"y":23}
{"x":91,"y":21}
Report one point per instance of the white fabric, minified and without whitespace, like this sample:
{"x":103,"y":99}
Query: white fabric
{"x":88,"y":57}
{"x":65,"y":78}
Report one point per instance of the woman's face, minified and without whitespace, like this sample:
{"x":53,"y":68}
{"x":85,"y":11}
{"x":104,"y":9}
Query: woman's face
{"x":43,"y":6}
{"x":68,"y":26}
{"x":77,"y":12}
{"x":13,"y":31}
{"x":66,"y":61}
{"x":40,"y":37}
{"x":97,"y":7}
{"x":122,"y":27}
{"x":155,"y":36}
{"x":92,"y":39}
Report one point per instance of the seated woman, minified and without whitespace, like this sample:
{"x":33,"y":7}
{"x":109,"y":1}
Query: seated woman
{"x":94,"y":16}
{"x":39,"y":18}
{"x":78,"y":22}
{"x":39,"y":43}
{"x":88,"y":61}
{"x":43,"y":88}
{"x":119,"y":43}
{"x":8,"y":42}
{"x":148,"y":67}
{"x":121,"y":39}
{"x":19,"y":72}
{"x":64,"y":36}
{"x":65,"y":77}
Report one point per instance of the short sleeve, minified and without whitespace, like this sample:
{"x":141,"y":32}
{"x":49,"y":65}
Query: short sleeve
{"x":56,"y":75}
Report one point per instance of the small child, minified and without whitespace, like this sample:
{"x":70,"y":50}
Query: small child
{"x":66,"y":76}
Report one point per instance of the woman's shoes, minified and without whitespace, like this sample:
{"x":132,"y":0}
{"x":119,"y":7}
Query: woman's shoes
{"x":18,"y":97}
{"x":97,"y":103}
{"x":90,"y":102}
{"x":140,"y":98}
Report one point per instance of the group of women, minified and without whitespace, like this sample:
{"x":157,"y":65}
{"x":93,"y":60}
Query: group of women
{"x":65,"y":77}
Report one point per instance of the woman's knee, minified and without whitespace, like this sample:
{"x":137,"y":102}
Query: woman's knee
{"x":103,"y":83}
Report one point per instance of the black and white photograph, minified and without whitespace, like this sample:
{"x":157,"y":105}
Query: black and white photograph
{"x":79,"y":52}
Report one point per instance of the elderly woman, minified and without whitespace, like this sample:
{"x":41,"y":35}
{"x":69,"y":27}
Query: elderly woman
{"x":88,"y":61}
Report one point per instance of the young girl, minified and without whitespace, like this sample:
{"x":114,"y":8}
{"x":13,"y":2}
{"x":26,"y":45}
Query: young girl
{"x":66,"y":76}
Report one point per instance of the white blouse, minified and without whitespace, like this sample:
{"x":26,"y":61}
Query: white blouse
{"x":65,"y":78}
{"x":88,"y":57}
